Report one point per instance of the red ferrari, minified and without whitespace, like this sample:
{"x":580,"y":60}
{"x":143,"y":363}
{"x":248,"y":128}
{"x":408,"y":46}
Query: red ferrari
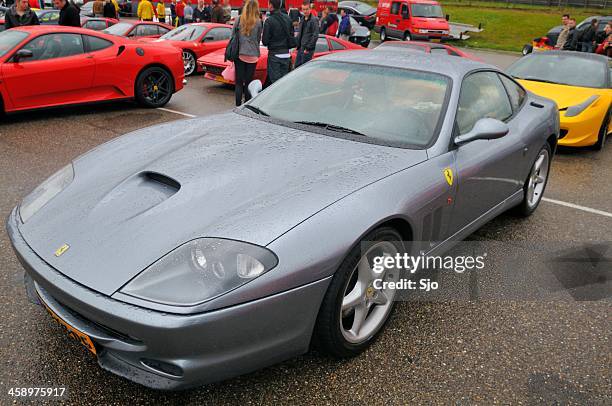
{"x":45,"y":66}
{"x":214,"y":63}
{"x":139,"y":29}
{"x":98,"y":24}
{"x":427,"y":47}
{"x":196,"y":40}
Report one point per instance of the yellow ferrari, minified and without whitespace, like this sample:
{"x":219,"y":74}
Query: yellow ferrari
{"x":580,"y":84}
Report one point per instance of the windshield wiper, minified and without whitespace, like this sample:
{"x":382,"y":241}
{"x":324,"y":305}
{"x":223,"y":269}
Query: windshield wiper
{"x":256,"y":110}
{"x":331,"y":127}
{"x":537,"y":80}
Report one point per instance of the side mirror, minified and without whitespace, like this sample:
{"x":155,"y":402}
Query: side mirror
{"x":255,"y":87}
{"x":484,"y":129}
{"x":22,"y":54}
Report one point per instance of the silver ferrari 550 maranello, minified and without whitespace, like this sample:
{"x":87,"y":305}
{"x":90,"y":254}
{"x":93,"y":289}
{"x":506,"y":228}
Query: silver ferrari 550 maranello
{"x":202,"y":249}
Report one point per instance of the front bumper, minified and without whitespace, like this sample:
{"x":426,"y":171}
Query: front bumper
{"x":581,"y":130}
{"x":170,"y":351}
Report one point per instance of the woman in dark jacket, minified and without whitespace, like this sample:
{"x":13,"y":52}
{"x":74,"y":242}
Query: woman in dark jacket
{"x":248,"y":25}
{"x":109,"y":9}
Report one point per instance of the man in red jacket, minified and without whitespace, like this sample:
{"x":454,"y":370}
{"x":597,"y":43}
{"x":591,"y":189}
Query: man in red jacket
{"x":180,"y":12}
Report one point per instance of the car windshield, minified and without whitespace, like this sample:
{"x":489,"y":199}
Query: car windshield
{"x":10,"y":38}
{"x":426,"y":10}
{"x":184,"y":33}
{"x":387,"y":105}
{"x":118,"y":29}
{"x":364,"y":9}
{"x":564,"y":69}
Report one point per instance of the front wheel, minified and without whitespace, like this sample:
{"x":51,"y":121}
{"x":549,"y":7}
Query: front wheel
{"x":383,"y":34}
{"x":407,"y":36}
{"x":534,"y":187}
{"x":189,"y":63}
{"x":355,"y":308}
{"x":154,"y":87}
{"x":603,"y":132}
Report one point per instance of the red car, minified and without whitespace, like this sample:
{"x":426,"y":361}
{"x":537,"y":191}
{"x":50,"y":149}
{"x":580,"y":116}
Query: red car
{"x":213,"y":64}
{"x":45,"y":66}
{"x":411,"y":19}
{"x":196,"y":40}
{"x":98,"y":24}
{"x":427,"y":47}
{"x":139,"y":29}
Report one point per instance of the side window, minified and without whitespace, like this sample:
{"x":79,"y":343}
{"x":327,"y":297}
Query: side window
{"x":162,"y":30}
{"x":453,"y":53}
{"x":321,"y":45}
{"x":482,"y":96}
{"x":96,"y":44}
{"x":95,"y":25}
{"x":405,"y":11}
{"x":218,"y":34}
{"x":439,"y":51}
{"x":395,"y":8}
{"x":143,"y":30}
{"x":51,"y":46}
{"x":336,"y":46}
{"x":515,"y":93}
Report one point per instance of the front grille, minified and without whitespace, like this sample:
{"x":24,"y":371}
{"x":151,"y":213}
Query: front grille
{"x":215,"y":70}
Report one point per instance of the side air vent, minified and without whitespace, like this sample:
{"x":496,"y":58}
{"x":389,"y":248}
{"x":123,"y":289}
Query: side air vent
{"x":162,"y":179}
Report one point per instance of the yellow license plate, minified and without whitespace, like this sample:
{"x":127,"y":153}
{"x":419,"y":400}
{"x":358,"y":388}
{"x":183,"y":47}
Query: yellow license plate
{"x":221,"y":79}
{"x":72,"y":332}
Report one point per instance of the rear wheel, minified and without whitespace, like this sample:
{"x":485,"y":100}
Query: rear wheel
{"x":189,"y":63}
{"x":154,"y":87}
{"x":383,"y":34}
{"x":407,"y":36}
{"x":355,"y":309}
{"x":534,"y":187}
{"x":603,"y":132}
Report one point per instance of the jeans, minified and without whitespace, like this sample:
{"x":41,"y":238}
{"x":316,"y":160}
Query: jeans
{"x":244,"y":76}
{"x":302,"y":57}
{"x":277,"y":67}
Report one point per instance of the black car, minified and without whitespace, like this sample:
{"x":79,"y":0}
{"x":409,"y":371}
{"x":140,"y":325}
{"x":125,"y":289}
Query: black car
{"x":360,"y":34}
{"x":553,"y":34}
{"x":362,"y":12}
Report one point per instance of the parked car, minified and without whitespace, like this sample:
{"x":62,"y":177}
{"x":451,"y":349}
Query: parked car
{"x":361,"y":35}
{"x":426,"y":47}
{"x":139,"y":29}
{"x":214,"y":63}
{"x":363,"y":13}
{"x":581,"y":85}
{"x":46,"y":66}
{"x":199,"y":250}
{"x":98,"y":24}
{"x":196,"y":40}
{"x":548,"y":42}
{"x":48,"y":17}
{"x":411,"y":19}
{"x":87,"y":9}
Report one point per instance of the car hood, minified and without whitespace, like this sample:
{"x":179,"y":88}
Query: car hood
{"x":240,"y":178}
{"x":564,"y":95}
{"x":214,"y":58}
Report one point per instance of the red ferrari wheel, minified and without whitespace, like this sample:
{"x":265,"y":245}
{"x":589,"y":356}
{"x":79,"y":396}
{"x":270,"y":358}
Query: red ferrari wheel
{"x":154,"y":87}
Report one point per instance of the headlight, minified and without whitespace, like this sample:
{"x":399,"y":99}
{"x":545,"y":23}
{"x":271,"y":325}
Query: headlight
{"x":200,"y":270}
{"x":573,"y":111}
{"x":45,"y":192}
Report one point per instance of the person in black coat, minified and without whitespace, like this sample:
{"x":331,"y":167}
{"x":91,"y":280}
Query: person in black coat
{"x":572,"y":37}
{"x":109,"y":10}
{"x":69,"y":13}
{"x":19,"y":15}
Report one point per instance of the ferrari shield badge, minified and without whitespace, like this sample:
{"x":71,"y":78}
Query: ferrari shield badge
{"x":448,"y":174}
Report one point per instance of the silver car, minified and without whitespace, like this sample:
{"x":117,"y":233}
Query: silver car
{"x":199,"y":250}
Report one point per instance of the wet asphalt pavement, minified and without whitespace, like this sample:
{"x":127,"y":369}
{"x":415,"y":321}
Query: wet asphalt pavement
{"x":550,"y":348}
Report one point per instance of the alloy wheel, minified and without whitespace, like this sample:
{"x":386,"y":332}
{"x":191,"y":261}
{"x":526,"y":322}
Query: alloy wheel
{"x":157,"y":87}
{"x":537,"y":178}
{"x":188,"y":62}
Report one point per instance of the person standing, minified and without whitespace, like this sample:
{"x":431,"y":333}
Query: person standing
{"x":199,"y":14}
{"x":145,"y":10}
{"x":279,"y":38}
{"x":564,"y":31}
{"x":180,"y":12}
{"x":98,"y":8}
{"x":308,"y":33}
{"x":217,"y":13}
{"x":344,"y":30}
{"x":249,"y":28}
{"x":227,"y":11}
{"x":571,"y":43}
{"x":161,"y":11}
{"x":19,"y":15}
{"x":174,"y":21}
{"x":69,"y":13}
{"x":587,"y":39}
{"x":109,"y":10}
{"x":188,"y":13}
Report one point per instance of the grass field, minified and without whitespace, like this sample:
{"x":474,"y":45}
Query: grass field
{"x":508,"y":27}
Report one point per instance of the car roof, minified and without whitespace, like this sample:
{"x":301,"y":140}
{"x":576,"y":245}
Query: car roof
{"x":442,"y":64}
{"x":583,"y":55}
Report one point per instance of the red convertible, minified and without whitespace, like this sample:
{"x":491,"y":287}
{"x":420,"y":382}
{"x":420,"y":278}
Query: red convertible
{"x":214,"y":63}
{"x":196,"y":40}
{"x":45,"y":66}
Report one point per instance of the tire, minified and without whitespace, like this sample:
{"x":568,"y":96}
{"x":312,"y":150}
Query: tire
{"x":603,"y":132}
{"x":527,"y":49}
{"x":535,"y":183}
{"x":383,"y":34}
{"x":407,"y":36}
{"x":335,"y":332}
{"x":154,"y":87}
{"x":189,"y":63}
